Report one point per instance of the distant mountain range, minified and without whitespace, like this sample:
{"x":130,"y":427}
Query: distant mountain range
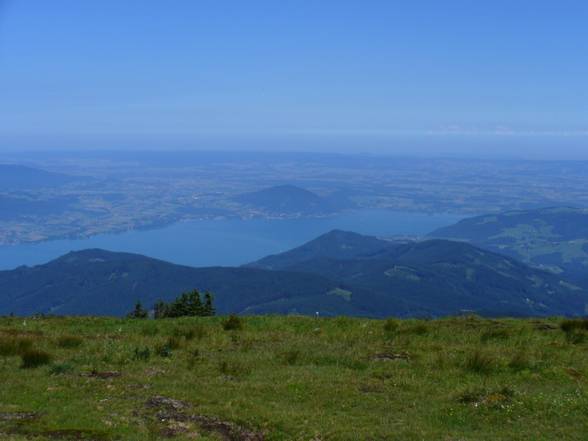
{"x":20,"y":177}
{"x":337,"y":273}
{"x":555,"y":239}
{"x":290,"y":199}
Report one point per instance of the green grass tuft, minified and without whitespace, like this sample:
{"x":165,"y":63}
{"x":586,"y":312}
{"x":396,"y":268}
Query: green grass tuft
{"x":480,"y":362}
{"x":233,"y":369}
{"x":61,"y":369}
{"x":190,"y":333}
{"x":32,"y":359}
{"x":290,"y":357}
{"x":521,"y":361}
{"x":11,"y":346}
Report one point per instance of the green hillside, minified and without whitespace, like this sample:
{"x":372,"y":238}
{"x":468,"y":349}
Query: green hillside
{"x":552,"y":238}
{"x":431,"y":278}
{"x":402,"y":283}
{"x":293,"y":378}
{"x":336,"y":244}
{"x":98,"y":282}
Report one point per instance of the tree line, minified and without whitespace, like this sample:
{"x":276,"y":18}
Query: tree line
{"x":188,"y":304}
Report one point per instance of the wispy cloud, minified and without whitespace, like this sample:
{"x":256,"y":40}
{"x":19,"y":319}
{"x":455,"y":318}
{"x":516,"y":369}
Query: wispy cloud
{"x":502,"y":130}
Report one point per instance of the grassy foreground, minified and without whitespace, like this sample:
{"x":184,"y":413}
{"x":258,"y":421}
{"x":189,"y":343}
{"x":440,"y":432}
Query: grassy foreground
{"x":293,"y":378}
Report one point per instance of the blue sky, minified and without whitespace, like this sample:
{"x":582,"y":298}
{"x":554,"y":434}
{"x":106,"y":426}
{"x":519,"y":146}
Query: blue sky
{"x":113,"y":70}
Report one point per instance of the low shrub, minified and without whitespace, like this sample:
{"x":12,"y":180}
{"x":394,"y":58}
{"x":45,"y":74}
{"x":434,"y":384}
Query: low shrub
{"x":233,"y":323}
{"x":576,"y":330}
{"x":391,"y":326}
{"x":570,"y":326}
{"x":34,"y":358}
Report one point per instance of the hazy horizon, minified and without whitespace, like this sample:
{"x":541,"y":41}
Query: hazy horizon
{"x":499,"y":80}
{"x":512,"y":147}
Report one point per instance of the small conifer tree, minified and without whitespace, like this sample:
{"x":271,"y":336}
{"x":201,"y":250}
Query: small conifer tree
{"x":208,"y":308}
{"x":194,"y":304}
{"x":160,"y":310}
{"x":189,"y":304}
{"x":139,"y":312}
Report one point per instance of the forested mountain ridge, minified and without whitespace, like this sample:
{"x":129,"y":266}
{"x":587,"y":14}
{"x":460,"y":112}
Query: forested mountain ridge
{"x":339,"y":273}
{"x":554,"y":238}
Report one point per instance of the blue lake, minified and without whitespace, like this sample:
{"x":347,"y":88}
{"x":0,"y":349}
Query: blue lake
{"x":228,"y":242}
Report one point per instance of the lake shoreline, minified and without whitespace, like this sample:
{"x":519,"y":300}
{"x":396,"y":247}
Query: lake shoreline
{"x":227,"y":242}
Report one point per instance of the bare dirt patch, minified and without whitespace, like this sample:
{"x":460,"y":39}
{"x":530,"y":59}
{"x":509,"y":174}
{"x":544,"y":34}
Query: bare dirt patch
{"x":390,"y":356}
{"x":75,"y":435}
{"x":176,"y":417}
{"x":103,"y":375}
{"x":18,"y":416}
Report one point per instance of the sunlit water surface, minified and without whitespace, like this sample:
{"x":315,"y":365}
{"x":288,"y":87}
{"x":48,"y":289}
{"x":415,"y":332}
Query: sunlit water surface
{"x":228,"y":242}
